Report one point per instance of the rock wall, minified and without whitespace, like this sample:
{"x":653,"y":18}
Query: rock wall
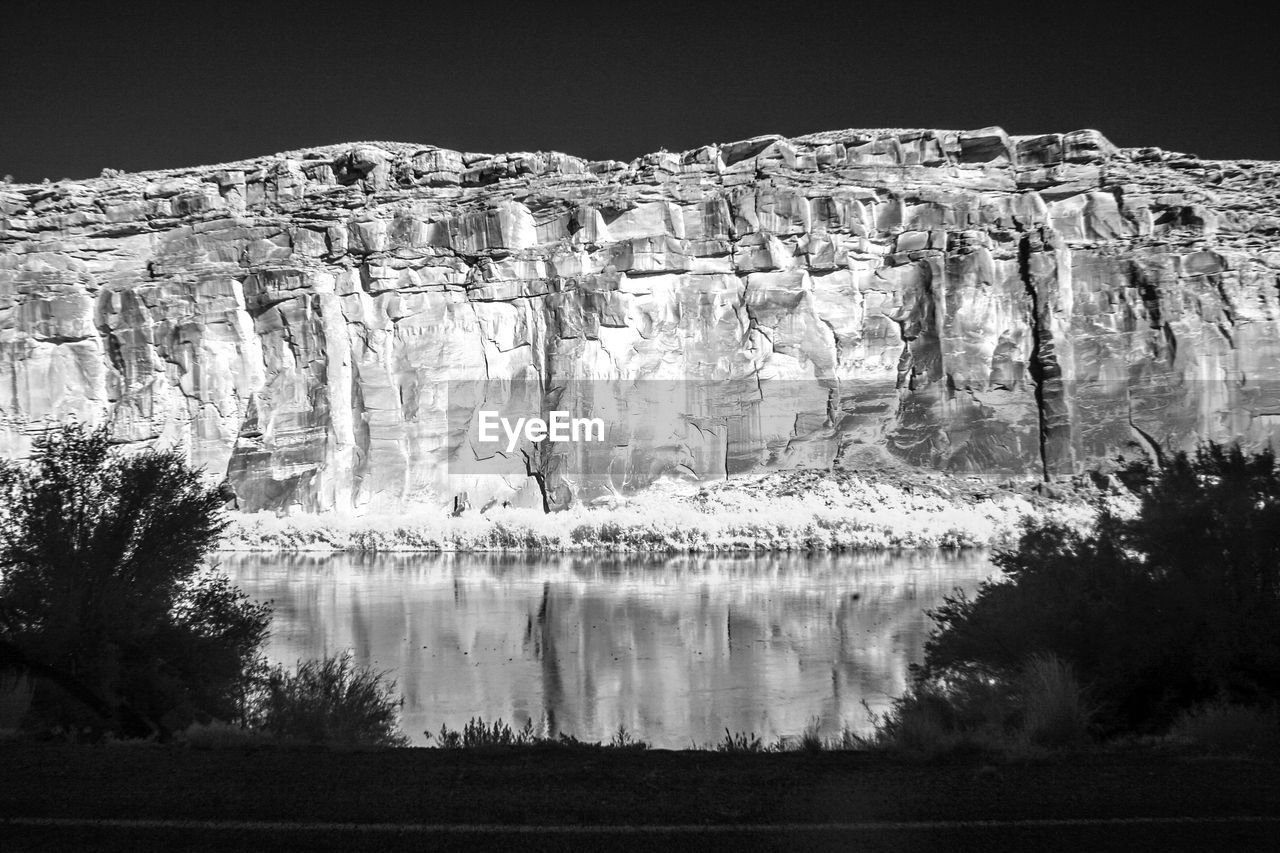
{"x":986,"y":304}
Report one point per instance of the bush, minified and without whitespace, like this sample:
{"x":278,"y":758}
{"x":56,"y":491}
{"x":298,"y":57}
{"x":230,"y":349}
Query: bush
{"x":1219,"y":727}
{"x":1173,"y":608}
{"x":939,"y":718}
{"x":624,"y":739}
{"x":15,"y":697}
{"x":971,"y":713}
{"x":104,"y":595}
{"x":1053,"y":708}
{"x":329,"y":701}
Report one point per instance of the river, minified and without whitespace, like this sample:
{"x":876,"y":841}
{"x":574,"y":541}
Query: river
{"x":677,"y":649}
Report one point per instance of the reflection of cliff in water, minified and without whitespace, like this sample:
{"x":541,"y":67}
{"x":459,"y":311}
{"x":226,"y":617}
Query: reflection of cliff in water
{"x":675,"y":648}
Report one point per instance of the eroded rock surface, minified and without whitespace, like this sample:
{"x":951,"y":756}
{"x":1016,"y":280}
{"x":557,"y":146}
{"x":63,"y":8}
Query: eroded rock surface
{"x":987,"y":304}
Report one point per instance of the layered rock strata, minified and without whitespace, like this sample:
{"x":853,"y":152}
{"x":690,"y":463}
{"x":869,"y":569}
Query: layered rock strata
{"x":320,"y":326}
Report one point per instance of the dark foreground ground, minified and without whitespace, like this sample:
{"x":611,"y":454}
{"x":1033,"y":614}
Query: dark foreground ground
{"x":57,"y":797}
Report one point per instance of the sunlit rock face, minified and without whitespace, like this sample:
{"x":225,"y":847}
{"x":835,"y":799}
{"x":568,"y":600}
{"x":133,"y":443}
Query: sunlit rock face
{"x":306,"y":324}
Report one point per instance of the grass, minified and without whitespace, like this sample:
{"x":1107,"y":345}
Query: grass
{"x":217,"y":734}
{"x":1044,"y":716}
{"x":810,"y":739}
{"x":574,"y":786}
{"x":741,"y":742}
{"x":785,"y":511}
{"x":477,"y":734}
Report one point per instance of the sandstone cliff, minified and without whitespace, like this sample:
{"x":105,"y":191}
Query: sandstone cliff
{"x":971,"y":301}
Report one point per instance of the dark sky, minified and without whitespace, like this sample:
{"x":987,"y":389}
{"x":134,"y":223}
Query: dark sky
{"x":137,"y":86}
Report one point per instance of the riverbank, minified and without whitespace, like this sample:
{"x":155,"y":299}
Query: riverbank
{"x":318,"y":799}
{"x":798,"y":510}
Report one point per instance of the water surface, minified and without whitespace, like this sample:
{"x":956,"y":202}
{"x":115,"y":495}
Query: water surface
{"x":677,"y":649}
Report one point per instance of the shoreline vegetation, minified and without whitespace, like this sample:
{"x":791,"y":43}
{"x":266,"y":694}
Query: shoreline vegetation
{"x":796,"y":510}
{"x":1152,"y":619}
{"x":1147,"y":620}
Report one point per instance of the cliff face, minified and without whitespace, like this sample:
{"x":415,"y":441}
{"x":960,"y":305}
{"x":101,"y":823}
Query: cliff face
{"x":301,"y":323}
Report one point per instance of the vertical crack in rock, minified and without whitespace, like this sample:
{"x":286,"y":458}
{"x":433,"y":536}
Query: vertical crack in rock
{"x":1227,"y":311}
{"x":110,"y":346}
{"x":1036,"y":365}
{"x":1150,"y":294}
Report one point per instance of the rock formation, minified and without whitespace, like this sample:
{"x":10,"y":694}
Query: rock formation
{"x":320,"y":326}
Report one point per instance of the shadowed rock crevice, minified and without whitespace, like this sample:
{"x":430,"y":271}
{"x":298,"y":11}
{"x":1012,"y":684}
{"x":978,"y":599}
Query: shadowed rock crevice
{"x":1035,"y":364}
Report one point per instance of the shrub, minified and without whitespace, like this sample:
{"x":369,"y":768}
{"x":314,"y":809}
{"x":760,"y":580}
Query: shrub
{"x":1054,"y":712}
{"x":477,"y":734}
{"x":104,"y":595}
{"x":623,"y":739}
{"x":1219,"y":727}
{"x":934,"y":719}
{"x":1175,"y":607}
{"x":809,"y":740}
{"x":974,"y":713}
{"x":329,"y":701}
{"x":15,"y":698}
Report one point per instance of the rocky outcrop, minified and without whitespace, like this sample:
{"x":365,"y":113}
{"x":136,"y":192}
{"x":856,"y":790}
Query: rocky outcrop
{"x":319,"y":326}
